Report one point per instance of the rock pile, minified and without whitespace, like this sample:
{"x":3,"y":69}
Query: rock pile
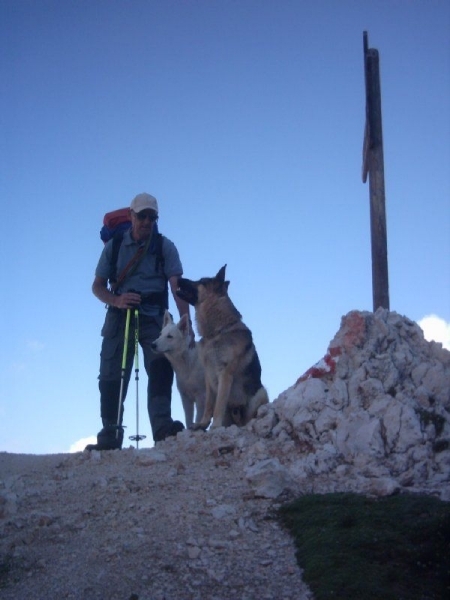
{"x":373,"y":416}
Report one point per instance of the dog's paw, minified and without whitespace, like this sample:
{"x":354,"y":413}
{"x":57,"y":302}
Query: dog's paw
{"x":199,"y":426}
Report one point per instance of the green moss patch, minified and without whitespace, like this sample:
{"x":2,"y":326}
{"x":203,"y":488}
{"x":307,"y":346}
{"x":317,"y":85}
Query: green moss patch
{"x":352,"y":547}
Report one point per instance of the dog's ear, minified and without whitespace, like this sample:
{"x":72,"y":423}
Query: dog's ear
{"x":167,"y":318}
{"x":221,"y":274}
{"x":183,"y":324}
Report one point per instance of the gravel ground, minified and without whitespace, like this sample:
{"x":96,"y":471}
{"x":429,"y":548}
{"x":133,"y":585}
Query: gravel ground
{"x":174,"y":522}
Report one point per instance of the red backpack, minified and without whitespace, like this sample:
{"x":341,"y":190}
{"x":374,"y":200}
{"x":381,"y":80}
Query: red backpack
{"x":115,"y":222}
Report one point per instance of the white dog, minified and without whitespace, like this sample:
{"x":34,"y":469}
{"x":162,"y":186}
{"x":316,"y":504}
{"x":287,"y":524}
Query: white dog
{"x":174,"y":343}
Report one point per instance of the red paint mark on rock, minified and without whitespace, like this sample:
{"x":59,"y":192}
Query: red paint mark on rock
{"x":353,"y":330}
{"x":326,"y":366}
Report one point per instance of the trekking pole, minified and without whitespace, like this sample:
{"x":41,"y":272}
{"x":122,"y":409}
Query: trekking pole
{"x":122,"y":373}
{"x":137,"y":437}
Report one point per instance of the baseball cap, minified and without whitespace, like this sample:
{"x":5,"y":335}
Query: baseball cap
{"x":144,"y":202}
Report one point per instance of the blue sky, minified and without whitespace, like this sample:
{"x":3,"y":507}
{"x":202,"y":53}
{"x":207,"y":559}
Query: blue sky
{"x":245,"y":119}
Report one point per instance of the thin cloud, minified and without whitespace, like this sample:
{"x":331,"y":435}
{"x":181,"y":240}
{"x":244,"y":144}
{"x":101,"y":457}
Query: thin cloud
{"x":80,"y":445}
{"x":35,"y":345}
{"x":436,"y":329}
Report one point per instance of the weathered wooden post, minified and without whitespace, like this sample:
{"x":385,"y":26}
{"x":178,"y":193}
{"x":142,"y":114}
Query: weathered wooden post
{"x":373,"y":165}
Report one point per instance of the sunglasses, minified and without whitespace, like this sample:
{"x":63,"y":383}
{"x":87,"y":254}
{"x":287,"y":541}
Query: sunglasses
{"x":141,"y":216}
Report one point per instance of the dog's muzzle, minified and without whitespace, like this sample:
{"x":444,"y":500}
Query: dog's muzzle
{"x":187,"y":291}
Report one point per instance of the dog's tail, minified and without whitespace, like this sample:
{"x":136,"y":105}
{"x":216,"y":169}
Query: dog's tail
{"x":241,"y":415}
{"x":258,"y":400}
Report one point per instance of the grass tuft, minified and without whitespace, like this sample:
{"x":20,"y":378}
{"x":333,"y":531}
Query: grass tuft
{"x":352,"y":547}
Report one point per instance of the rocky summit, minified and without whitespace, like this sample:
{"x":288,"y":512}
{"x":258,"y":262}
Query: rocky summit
{"x":373,"y":416}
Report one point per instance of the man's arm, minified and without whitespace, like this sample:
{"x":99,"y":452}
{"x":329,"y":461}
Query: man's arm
{"x":182,"y":305}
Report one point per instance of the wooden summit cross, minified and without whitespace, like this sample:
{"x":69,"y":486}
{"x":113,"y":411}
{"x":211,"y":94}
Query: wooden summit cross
{"x":373,"y":165}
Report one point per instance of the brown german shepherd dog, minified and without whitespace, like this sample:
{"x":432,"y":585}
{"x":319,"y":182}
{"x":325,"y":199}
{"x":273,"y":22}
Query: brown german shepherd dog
{"x":234,"y":391}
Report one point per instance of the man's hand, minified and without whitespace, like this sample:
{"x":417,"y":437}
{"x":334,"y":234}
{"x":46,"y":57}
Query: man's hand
{"x":127,"y":300}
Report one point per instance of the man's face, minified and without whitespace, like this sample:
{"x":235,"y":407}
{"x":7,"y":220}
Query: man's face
{"x":142,"y":224}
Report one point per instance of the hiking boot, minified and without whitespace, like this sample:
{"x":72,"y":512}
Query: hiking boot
{"x":107,"y":439}
{"x":177,"y":426}
{"x":168,"y":430}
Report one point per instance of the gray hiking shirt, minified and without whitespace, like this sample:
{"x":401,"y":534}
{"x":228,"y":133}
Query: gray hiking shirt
{"x":145,"y":279}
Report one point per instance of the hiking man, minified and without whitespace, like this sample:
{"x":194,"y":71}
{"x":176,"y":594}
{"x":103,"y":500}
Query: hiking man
{"x":139,"y":272}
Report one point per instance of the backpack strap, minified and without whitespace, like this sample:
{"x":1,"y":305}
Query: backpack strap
{"x":116,"y":243}
{"x":160,"y":263}
{"x":160,"y":260}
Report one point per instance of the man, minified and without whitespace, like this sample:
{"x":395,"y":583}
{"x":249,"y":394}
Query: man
{"x":141,"y":282}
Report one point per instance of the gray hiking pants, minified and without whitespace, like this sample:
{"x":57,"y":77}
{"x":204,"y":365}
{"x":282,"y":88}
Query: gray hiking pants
{"x":158,"y":368}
